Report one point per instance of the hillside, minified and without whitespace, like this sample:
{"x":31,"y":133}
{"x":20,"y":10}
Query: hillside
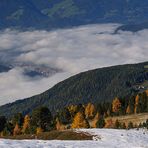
{"x":99,"y":85}
{"x":49,"y":14}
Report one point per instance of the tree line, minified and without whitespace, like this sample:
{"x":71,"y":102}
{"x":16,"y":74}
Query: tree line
{"x":76,"y":116}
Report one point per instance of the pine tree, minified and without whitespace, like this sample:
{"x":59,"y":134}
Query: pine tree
{"x":117,"y":124}
{"x":18,"y":119}
{"x":42,"y":117}
{"x":80,"y":121}
{"x":123,"y":126}
{"x":2,"y":123}
{"x":100,"y":123}
{"x":64,"y":116}
{"x":130,"y":125}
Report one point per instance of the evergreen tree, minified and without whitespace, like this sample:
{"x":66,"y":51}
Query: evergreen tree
{"x":2,"y":123}
{"x":18,"y":119}
{"x":64,"y":116}
{"x":130,"y":125}
{"x":123,"y":126}
{"x":41,"y":117}
{"x":100,"y":123}
{"x":117,"y":124}
{"x":8,"y":130}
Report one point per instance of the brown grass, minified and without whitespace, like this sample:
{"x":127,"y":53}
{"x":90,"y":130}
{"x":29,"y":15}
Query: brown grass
{"x":136,"y":119}
{"x":54,"y":135}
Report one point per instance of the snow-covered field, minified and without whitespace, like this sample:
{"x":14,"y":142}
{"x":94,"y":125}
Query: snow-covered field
{"x":104,"y":138}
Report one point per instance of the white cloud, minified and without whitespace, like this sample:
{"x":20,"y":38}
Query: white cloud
{"x":72,"y":50}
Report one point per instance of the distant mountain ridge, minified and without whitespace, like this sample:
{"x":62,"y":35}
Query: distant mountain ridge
{"x":49,"y":14}
{"x":99,"y":85}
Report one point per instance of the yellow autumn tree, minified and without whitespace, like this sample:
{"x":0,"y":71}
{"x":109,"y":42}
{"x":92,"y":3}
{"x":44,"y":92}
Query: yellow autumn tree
{"x":146,"y":92}
{"x":109,"y":123}
{"x":39,"y":130}
{"x":16,"y":130}
{"x":95,"y":120}
{"x":128,"y":110}
{"x":80,"y":121}
{"x":26,"y":124}
{"x":59,"y":125}
{"x":72,"y":109}
{"x":136,"y":104}
{"x":108,"y":112}
{"x":89,"y":110}
{"x":116,"y":105}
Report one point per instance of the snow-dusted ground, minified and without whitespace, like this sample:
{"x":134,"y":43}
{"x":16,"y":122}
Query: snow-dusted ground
{"x":104,"y":138}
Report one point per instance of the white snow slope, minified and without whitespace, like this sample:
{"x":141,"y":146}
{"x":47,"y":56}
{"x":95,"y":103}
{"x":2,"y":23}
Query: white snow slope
{"x":104,"y":138}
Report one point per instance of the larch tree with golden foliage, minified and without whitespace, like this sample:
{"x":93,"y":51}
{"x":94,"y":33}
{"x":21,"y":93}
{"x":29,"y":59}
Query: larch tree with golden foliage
{"x":26,"y":124}
{"x":109,"y":123}
{"x":128,"y":110}
{"x":39,"y":130}
{"x":89,"y":110}
{"x":80,"y":121}
{"x":72,"y":109}
{"x":59,"y":125}
{"x":108,"y":112}
{"x":95,"y":120}
{"x":16,"y":130}
{"x":116,"y":105}
{"x":136,"y":104}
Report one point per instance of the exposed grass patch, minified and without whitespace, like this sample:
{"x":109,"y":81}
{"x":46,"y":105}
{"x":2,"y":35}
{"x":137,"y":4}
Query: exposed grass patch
{"x":134,"y":118}
{"x":54,"y":135}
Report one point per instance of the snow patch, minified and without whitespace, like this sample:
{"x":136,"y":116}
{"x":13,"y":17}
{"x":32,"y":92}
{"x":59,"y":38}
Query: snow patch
{"x":103,"y":138}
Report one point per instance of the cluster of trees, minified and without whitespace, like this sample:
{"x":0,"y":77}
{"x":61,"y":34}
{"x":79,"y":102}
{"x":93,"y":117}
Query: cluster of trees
{"x":76,"y":116}
{"x":40,"y":120}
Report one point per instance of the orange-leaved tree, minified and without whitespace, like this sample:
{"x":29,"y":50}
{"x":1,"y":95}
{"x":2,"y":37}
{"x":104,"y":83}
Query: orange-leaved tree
{"x":80,"y":121}
{"x":89,"y":110}
{"x":16,"y":130}
{"x":136,"y":104}
{"x":116,"y":105}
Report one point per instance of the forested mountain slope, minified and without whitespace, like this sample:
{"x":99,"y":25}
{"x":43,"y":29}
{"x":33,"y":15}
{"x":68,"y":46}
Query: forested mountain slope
{"x":99,"y":85}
